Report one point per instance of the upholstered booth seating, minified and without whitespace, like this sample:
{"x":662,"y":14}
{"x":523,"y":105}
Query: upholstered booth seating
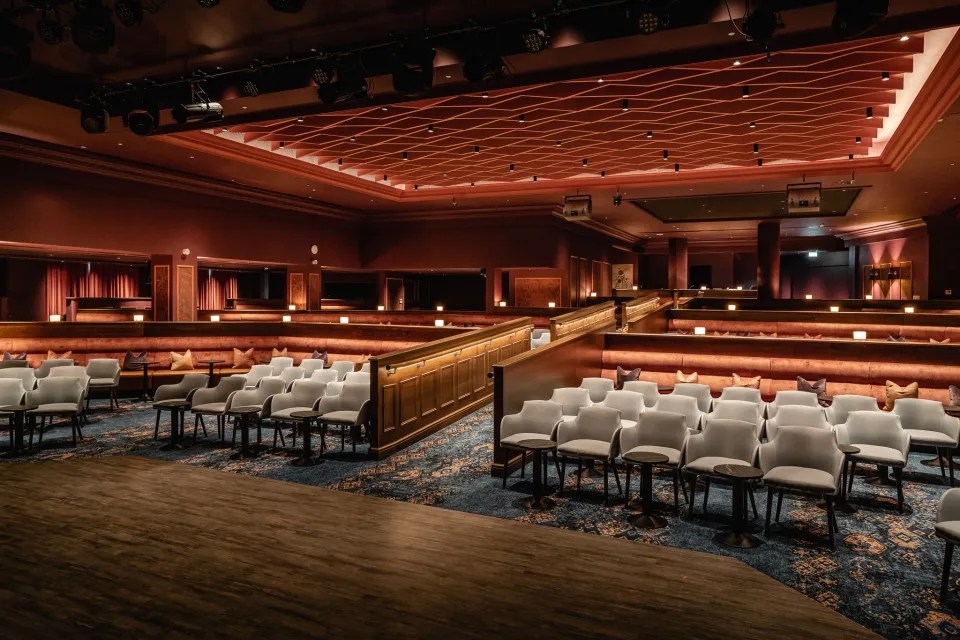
{"x":11,"y":392}
{"x":350,"y":410}
{"x":536,"y":420}
{"x":25,"y":375}
{"x":650,"y":391}
{"x":183,"y":390}
{"x":628,"y":403}
{"x":744,"y":394}
{"x":802,"y":460}
{"x":258,"y":371}
{"x":572,"y":399}
{"x":104,"y":375}
{"x":844,"y":404}
{"x":795,"y":415}
{"x":881,"y":440}
{"x":826,"y":330}
{"x":695,"y":390}
{"x":783,"y":398}
{"x":725,"y":442}
{"x":929,"y":426}
{"x":343,"y":367}
{"x":59,"y":398}
{"x":257,"y":398}
{"x":304,"y":397}
{"x":593,"y":435}
{"x":684,"y":405}
{"x":598,"y":388}
{"x":735,"y":410}
{"x":44,"y":368}
{"x":658,"y":432}
{"x":947,"y":528}
{"x":213,"y":402}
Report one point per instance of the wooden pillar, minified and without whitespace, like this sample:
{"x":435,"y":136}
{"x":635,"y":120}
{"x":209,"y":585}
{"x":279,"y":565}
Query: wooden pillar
{"x":493,"y":289}
{"x":161,"y":277}
{"x":677,"y":264}
{"x":768,"y":260}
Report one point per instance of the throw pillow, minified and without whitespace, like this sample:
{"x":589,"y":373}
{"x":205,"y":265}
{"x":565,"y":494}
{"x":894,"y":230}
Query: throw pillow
{"x":682,"y":377}
{"x":818,"y":387}
{"x":9,"y":356}
{"x":717,"y":333}
{"x":954,"y":392}
{"x":768,"y":335}
{"x":316,"y":355}
{"x":743,"y":334}
{"x":131,"y":359}
{"x":750,"y":383}
{"x":626,"y":376}
{"x":895,"y":391}
{"x":66,"y":355}
{"x":243,"y":359}
{"x":932,"y":341}
{"x":181,"y":362}
{"x":896,"y":339}
{"x":681,"y":332}
{"x":279,"y":354}
{"x":810,"y":337}
{"x":364,"y":358}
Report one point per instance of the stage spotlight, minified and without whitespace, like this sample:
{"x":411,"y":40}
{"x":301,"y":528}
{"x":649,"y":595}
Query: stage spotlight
{"x":411,"y":66}
{"x":322,"y":74}
{"x":250,"y":88}
{"x":197,"y":112}
{"x":128,"y":12}
{"x":92,"y":27}
{"x":50,"y":30}
{"x":14,"y":49}
{"x":855,"y":17}
{"x":208,"y":4}
{"x":143,"y":119}
{"x":535,"y":39}
{"x":286,"y":6}
{"x":94,"y":117}
{"x":349,"y":85}
{"x":648,"y":18}
{"x":484,"y":61}
{"x":762,"y":22}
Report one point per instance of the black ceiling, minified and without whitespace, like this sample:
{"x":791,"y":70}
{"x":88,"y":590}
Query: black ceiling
{"x":742,"y":206}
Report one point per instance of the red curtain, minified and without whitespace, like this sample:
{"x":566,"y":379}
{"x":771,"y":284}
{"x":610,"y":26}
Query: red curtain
{"x":215,"y":288}
{"x":79,"y":280}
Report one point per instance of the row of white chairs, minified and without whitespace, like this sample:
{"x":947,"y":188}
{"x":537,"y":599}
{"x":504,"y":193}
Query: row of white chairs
{"x":100,"y":374}
{"x":283,"y":368}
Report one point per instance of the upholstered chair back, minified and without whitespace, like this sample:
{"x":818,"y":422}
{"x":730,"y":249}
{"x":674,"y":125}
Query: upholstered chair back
{"x":572,"y":399}
{"x":650,"y":391}
{"x":695,"y":390}
{"x":844,"y":404}
{"x":598,"y":388}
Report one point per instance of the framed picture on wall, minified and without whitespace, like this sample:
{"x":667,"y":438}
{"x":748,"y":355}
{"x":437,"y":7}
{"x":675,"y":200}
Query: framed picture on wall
{"x":622,"y":276}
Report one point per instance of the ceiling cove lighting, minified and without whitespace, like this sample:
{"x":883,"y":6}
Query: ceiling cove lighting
{"x":699,"y":331}
{"x":859,"y":335}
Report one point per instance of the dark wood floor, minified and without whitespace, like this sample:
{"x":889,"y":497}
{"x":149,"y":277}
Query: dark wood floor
{"x":126,"y":547}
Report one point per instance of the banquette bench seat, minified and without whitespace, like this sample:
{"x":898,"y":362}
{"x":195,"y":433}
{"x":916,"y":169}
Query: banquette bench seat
{"x":826,"y":330}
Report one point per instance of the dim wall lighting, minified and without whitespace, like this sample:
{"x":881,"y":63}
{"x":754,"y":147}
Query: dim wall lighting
{"x":438,"y":323}
{"x":55,"y":317}
{"x":214,"y":318}
{"x":703,"y":287}
{"x":292,"y":307}
{"x":503,"y":303}
{"x":909,"y":309}
{"x":287,"y":318}
{"x":809,"y":296}
{"x":868,"y":297}
{"x":635,"y":287}
{"x":380,"y":307}
{"x":739,"y":287}
{"x":551,"y":304}
{"x":811,"y":254}
{"x":859,"y":335}
{"x":834,"y":309}
{"x":699,"y":331}
{"x":731,"y":307}
{"x":439,"y":307}
{"x":138,"y":317}
{"x":344,"y":320}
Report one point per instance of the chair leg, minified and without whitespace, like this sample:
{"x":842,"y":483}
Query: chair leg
{"x":945,"y":579}
{"x":676,"y":491}
{"x":579,"y":471}
{"x":203,"y":425}
{"x":706,"y":493}
{"x":779,"y":504}
{"x":830,"y":522}
{"x":898,"y":474}
{"x":693,"y":490}
{"x":506,"y":472}
{"x":616,"y":476}
{"x":556,"y":465}
{"x":196,"y":423}
{"x":606,"y":484}
{"x":753,"y":501}
{"x":766,"y":524}
{"x":156,"y":428}
{"x":563,"y":475}
{"x":943,"y":471}
{"x":523,"y":463}
{"x":283,"y":442}
{"x":853,"y":468}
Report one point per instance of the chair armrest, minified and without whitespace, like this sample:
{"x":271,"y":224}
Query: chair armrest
{"x":951,"y":427}
{"x":767,"y":452}
{"x":629,"y":438}
{"x":948,"y":509}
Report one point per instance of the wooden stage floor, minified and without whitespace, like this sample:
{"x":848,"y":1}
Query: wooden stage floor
{"x":128,"y":548}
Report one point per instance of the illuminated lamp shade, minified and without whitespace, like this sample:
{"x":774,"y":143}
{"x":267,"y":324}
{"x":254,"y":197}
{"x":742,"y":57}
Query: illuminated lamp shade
{"x":214,"y":318}
{"x":438,"y":323}
{"x":138,"y":317}
{"x":593,"y":294}
{"x":55,"y":317}
{"x":731,"y":307}
{"x":739,"y":287}
{"x":635,"y":287}
{"x":287,"y":318}
{"x":292,"y":307}
{"x":380,"y":307}
{"x":344,"y":320}
{"x":809,"y":296}
{"x":439,"y":307}
{"x":868,"y":297}
{"x":703,"y":287}
{"x":503,"y":303}
{"x":699,"y":331}
{"x":909,"y":309}
{"x":834,"y":309}
{"x":551,"y":304}
{"x":859,"y":335}
{"x":811,"y":254}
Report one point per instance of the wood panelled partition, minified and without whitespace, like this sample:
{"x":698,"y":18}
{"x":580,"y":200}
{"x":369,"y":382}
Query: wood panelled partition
{"x":634,"y":310}
{"x":598,"y":316}
{"x":420,"y":390}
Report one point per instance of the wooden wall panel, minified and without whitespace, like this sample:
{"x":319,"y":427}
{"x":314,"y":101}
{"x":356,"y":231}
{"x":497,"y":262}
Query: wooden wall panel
{"x":409,"y":401}
{"x":390,"y":416}
{"x":448,"y":381}
{"x":186,"y":305}
{"x":429,"y":393}
{"x":161,"y":293}
{"x":314,"y":292}
{"x":537,"y":292}
{"x":296,"y":290}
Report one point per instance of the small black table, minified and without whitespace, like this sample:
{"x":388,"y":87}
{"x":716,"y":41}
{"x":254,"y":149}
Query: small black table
{"x":244,"y":414}
{"x":842,"y":505}
{"x":539,"y":447}
{"x":176,"y":409}
{"x":211,"y":363}
{"x":145,"y":365}
{"x":307,"y":459}
{"x":19,"y":412}
{"x":737,"y":536}
{"x":645,"y":519}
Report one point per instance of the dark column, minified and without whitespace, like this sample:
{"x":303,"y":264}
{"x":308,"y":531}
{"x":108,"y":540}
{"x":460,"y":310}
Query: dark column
{"x":677,"y":264}
{"x":943,"y":237}
{"x":768,"y":260}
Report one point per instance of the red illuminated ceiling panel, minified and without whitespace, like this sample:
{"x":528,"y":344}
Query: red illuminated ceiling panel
{"x":808,"y":106}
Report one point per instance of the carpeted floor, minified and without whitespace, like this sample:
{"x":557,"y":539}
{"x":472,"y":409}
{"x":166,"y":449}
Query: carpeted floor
{"x":884,"y":572}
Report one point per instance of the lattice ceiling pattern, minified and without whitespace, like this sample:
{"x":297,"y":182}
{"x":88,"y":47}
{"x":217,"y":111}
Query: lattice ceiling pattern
{"x":808,"y":105}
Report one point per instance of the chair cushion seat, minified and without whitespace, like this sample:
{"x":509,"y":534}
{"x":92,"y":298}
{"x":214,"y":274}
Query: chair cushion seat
{"x":922,"y":436}
{"x":707,"y":463}
{"x":284,"y":414}
{"x":103,"y":382}
{"x":340,"y":416}
{"x":803,"y":478}
{"x":210,"y":407}
{"x":56,"y":407}
{"x":520,"y":437}
{"x":949,"y":529}
{"x":878,"y":454}
{"x":673,"y":455}
{"x":584,"y":447}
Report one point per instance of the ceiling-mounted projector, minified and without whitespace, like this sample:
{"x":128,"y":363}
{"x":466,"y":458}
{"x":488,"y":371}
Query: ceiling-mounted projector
{"x":577,"y":207}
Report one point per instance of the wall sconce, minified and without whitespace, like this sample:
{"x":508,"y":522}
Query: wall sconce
{"x":55,"y":317}
{"x":859,"y":335}
{"x":287,"y":318}
{"x":214,"y":318}
{"x":551,"y":304}
{"x":185,"y":253}
{"x":438,"y":323}
{"x":909,"y":309}
{"x":344,"y":320}
{"x":868,"y":297}
{"x":834,"y":309}
{"x":138,"y":317}
{"x":703,"y":287}
{"x":699,"y":331}
{"x":593,"y":294}
{"x":731,"y":307}
{"x":811,"y":254}
{"x":439,"y":307}
{"x":503,"y":303}
{"x":380,"y":307}
{"x":636,"y":288}
{"x":874,"y":274}
{"x":292,"y":307}
{"x":809,"y":296}
{"x":893,"y":273}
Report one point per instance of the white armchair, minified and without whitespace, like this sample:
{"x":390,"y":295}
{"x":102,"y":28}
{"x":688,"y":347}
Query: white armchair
{"x":11,"y":392}
{"x":343,"y":367}
{"x":256,"y":397}
{"x":104,"y":375}
{"x":304,"y":396}
{"x":881,"y":440}
{"x":349,"y":409}
{"x":182,"y":390}
{"x":684,"y":405}
{"x":26,"y":376}
{"x":795,"y":415}
{"x":537,"y":420}
{"x":598,"y":388}
{"x":252,"y":378}
{"x":628,"y":403}
{"x":658,"y":432}
{"x":725,"y":442}
{"x":695,"y":390}
{"x":311,"y":365}
{"x":930,"y":426}
{"x":593,"y":435}
{"x":279,"y":363}
{"x":947,"y":527}
{"x":650,"y":391}
{"x":45,"y":367}
{"x":736,"y":410}
{"x":784,"y":398}
{"x":746,"y":394}
{"x":324,"y":375}
{"x":806,"y":461}
{"x":572,"y":399}
{"x":844,"y":404}
{"x":211,"y":402}
{"x":289,"y":375}
{"x":57,"y":398}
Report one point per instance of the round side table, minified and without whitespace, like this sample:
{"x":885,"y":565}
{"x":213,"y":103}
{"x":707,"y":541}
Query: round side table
{"x":740,"y":475}
{"x":176,"y":409}
{"x":244,"y":413}
{"x":145,"y":366}
{"x":645,"y":519}
{"x":19,"y":412}
{"x":211,"y":363}
{"x":307,"y":459}
{"x":539,"y":447}
{"x":842,"y":505}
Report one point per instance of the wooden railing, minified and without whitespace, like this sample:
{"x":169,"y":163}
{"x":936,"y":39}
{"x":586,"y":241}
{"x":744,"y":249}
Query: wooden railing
{"x":633,"y":310}
{"x":417,"y":391}
{"x":598,"y":316}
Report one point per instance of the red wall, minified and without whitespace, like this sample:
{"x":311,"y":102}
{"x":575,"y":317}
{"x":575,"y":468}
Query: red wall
{"x":913,"y":248}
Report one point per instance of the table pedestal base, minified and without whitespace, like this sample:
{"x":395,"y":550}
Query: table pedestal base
{"x":645,"y":521}
{"x":530,"y":504}
{"x":172,"y":446}
{"x":306,"y":461}
{"x":737,"y":540}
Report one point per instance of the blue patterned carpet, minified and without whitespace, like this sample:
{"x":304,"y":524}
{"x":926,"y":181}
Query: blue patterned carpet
{"x":884,"y":573}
